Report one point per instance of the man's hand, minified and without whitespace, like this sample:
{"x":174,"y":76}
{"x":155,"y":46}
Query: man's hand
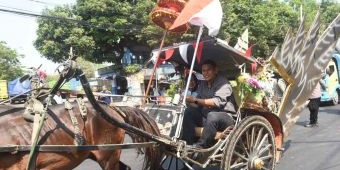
{"x":190,"y":99}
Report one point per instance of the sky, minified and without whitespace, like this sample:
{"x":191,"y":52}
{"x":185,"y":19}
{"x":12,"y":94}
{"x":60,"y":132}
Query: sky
{"x":19,"y":31}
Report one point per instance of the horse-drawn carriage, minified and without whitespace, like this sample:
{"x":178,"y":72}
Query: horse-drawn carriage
{"x":251,"y":142}
{"x":64,"y":135}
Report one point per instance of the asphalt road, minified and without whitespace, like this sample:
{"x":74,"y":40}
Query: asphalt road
{"x":315,"y":148}
{"x":305,"y":149}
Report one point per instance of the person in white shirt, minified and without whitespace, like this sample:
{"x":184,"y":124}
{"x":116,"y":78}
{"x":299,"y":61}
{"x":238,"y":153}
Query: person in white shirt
{"x":58,"y":99}
{"x":313,"y":106}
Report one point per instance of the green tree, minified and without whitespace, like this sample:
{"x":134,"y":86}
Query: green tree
{"x":329,"y":9}
{"x":98,"y":31}
{"x":57,"y":36}
{"x":10,"y":67}
{"x":267,"y":23}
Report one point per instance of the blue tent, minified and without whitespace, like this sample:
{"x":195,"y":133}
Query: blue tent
{"x":15,"y":87}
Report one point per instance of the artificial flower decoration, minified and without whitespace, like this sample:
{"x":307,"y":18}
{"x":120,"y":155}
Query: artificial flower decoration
{"x":251,"y":88}
{"x":257,"y":90}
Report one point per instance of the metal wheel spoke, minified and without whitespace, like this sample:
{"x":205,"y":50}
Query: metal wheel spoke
{"x":240,"y":155}
{"x":265,"y":137}
{"x":265,"y":168}
{"x":243,"y":147}
{"x":266,"y":148}
{"x":252,"y":139}
{"x":266,"y":157}
{"x":238,"y":165}
{"x":248,"y":140}
{"x":259,"y":135}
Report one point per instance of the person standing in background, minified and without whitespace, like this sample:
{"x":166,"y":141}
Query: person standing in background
{"x":324,"y":82}
{"x":58,"y":99}
{"x":114,"y":84}
{"x":126,"y":60}
{"x":105,"y":99}
{"x":313,"y":106}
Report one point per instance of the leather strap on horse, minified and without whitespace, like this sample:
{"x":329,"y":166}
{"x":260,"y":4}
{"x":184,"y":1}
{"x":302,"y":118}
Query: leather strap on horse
{"x":82,"y":107}
{"x":32,"y":155}
{"x":36,"y":108}
{"x":120,"y":112}
{"x":78,"y":139}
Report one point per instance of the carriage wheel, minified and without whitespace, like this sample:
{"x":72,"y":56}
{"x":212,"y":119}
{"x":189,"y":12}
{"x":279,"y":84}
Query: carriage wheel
{"x":251,"y":146}
{"x":335,"y":99}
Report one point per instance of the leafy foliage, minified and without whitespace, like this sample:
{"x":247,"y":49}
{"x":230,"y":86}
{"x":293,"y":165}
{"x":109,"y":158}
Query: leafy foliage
{"x":172,"y":90}
{"x":55,"y":37}
{"x":267,"y":23}
{"x":132,"y":68}
{"x":98,"y":30}
{"x":10,"y":65}
{"x":52,"y":78}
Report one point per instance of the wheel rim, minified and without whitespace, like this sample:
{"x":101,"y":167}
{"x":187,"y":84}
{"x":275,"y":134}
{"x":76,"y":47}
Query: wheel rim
{"x":254,"y":150}
{"x":336,"y":99}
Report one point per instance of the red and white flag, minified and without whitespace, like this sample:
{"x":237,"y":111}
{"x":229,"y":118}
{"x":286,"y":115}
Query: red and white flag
{"x":183,"y":52}
{"x":201,"y":12}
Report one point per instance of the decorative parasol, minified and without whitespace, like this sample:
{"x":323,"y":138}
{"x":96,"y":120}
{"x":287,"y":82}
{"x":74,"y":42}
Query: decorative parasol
{"x":166,"y":13}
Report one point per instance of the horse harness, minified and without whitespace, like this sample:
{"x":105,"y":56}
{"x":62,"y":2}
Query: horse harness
{"x":78,"y":138}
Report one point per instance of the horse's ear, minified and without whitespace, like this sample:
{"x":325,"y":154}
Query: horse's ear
{"x":23,"y":78}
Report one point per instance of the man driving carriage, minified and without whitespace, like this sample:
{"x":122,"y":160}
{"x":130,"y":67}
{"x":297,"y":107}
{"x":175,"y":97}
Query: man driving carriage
{"x":216,"y":107}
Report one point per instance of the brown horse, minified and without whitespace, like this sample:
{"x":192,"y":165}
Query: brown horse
{"x":59,"y":130}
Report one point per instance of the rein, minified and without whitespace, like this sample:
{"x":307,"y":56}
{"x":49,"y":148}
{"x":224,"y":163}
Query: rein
{"x":78,"y":138}
{"x":120,"y":112}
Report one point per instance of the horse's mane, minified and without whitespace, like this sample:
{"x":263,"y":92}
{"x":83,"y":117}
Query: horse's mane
{"x":142,"y":120}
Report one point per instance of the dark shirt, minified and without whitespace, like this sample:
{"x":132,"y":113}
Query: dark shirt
{"x":220,"y":91}
{"x":106,"y":99}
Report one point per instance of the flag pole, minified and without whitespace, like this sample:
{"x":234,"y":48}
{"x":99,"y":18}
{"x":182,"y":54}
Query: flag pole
{"x":192,"y":64}
{"x":180,"y":119}
{"x":154,"y":67}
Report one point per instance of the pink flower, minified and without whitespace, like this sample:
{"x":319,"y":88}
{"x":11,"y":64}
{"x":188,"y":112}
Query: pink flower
{"x":254,"y":82}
